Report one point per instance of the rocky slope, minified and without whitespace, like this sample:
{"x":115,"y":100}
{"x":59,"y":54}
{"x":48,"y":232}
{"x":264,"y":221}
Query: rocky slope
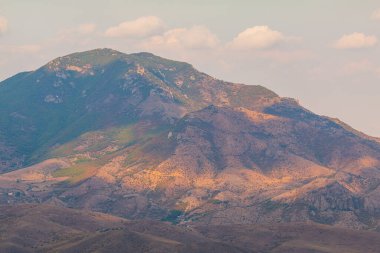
{"x":139,"y":136}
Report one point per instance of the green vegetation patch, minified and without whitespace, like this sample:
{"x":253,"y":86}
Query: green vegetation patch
{"x":78,"y":172}
{"x":124,"y":136}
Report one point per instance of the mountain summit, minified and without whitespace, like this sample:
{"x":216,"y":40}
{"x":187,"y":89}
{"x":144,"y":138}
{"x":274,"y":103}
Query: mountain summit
{"x":140,"y":136}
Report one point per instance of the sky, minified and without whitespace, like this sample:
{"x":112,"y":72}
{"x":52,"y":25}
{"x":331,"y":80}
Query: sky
{"x":325,"y":53}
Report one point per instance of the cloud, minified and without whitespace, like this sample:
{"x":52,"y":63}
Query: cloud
{"x":355,"y":41}
{"x":196,"y":37}
{"x":257,"y":37}
{"x":138,"y":28}
{"x":86,"y":28}
{"x":3,"y":25}
{"x":376,"y":15}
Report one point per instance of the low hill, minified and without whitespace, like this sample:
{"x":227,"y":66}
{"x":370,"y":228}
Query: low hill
{"x":44,"y":228}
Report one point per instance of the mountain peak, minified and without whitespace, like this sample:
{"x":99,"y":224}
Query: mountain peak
{"x":97,"y":52}
{"x":85,"y":61}
{"x":145,"y":54}
{"x":94,"y":57}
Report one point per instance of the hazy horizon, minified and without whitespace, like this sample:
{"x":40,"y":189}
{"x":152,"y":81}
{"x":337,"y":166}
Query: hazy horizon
{"x":323,"y":54}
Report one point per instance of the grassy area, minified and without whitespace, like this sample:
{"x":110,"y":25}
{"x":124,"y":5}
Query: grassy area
{"x":121,"y":137}
{"x":78,"y":172}
{"x":124,"y":136}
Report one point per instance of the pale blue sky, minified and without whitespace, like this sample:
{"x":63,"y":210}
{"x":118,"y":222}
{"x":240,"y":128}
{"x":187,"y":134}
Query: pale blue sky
{"x":324,"y":53}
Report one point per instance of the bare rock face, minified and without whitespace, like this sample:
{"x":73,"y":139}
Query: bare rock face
{"x":140,"y":136}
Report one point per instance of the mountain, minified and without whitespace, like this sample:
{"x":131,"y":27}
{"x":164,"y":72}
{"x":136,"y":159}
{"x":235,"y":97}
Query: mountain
{"x":139,"y":136}
{"x":99,"y":89}
{"x":44,"y":228}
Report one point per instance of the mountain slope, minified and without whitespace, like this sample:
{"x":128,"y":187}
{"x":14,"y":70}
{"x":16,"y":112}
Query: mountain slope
{"x":140,"y":136}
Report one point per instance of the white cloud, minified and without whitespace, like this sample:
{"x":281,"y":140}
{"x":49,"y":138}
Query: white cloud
{"x":196,"y":37}
{"x":257,"y":37}
{"x":3,"y":25}
{"x":141,"y":27}
{"x":86,"y":28}
{"x":355,"y":41}
{"x":376,"y":15}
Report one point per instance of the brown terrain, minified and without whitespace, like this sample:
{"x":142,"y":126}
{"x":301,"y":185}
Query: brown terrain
{"x":44,"y":228}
